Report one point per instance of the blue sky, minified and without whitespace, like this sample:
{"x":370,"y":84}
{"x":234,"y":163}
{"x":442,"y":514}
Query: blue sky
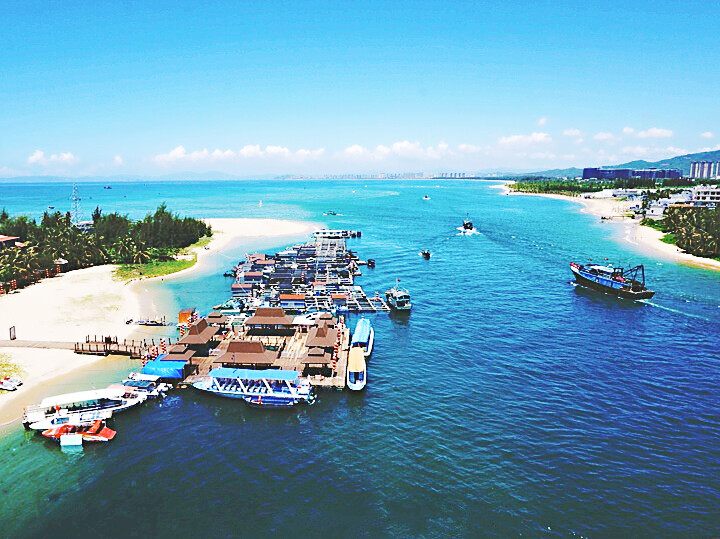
{"x":308,"y":87}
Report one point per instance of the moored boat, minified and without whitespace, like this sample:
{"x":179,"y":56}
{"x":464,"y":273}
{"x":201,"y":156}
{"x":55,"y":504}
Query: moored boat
{"x":10,"y":383}
{"x":98,"y":431}
{"x":272,"y":388}
{"x":357,"y":369}
{"x":625,"y":283}
{"x":398,"y":298}
{"x":80,"y":408}
{"x":363,"y":336}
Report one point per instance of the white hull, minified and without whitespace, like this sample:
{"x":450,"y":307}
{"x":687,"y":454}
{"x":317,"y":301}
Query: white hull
{"x":359,"y":386}
{"x":369,"y":348}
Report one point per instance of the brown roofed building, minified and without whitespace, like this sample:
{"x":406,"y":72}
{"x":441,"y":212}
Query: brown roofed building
{"x":322,"y":336}
{"x":199,"y":336}
{"x":246,"y":354}
{"x":270,"y":316}
{"x":216,"y":319}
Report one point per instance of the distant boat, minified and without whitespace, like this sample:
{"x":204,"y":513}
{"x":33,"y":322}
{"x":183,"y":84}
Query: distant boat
{"x":425,"y":253}
{"x":51,"y":207}
{"x":398,"y":298}
{"x":625,"y":283}
{"x":356,"y":370}
{"x":426,"y":197}
{"x":260,"y":204}
{"x":363,"y":336}
{"x":107,"y":187}
{"x":467,"y":224}
{"x":330,"y":212}
{"x":271,"y":388}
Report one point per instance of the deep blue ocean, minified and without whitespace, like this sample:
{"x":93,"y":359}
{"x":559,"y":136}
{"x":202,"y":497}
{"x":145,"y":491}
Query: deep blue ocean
{"x":510,"y":402}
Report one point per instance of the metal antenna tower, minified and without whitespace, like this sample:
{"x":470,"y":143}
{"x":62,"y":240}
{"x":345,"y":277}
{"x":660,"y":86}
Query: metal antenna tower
{"x":75,"y":215}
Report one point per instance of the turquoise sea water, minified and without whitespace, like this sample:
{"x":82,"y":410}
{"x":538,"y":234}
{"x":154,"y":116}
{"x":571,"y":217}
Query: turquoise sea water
{"x":509,"y":402}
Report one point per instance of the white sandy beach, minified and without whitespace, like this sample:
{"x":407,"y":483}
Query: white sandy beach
{"x":90,"y":302}
{"x":646,"y":239}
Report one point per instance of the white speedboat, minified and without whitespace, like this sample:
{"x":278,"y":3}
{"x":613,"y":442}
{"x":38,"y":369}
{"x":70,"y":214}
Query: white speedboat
{"x":80,"y":408}
{"x":146,"y":383}
{"x":357,"y":369}
{"x":10,"y":383}
{"x":363,"y":336}
{"x":398,"y":298}
{"x":271,"y":388}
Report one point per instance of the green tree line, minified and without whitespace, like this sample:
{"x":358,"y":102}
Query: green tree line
{"x":696,"y":229}
{"x":113,"y":239}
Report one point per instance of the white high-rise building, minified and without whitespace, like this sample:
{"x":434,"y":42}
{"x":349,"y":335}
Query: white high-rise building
{"x":705,"y":170}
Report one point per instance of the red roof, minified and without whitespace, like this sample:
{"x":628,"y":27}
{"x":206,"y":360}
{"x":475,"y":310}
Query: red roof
{"x":253,"y":274}
{"x":292,"y":296}
{"x":8,"y":238}
{"x":241,"y":285}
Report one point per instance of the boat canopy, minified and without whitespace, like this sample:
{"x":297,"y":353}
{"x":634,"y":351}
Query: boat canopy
{"x":141,"y":384}
{"x":251,"y":374}
{"x":165,"y":369}
{"x":361,"y":335}
{"x":356,"y":361}
{"x":83,"y":396}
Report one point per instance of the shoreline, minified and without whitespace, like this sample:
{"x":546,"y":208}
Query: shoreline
{"x":90,"y":301}
{"x":646,"y":239}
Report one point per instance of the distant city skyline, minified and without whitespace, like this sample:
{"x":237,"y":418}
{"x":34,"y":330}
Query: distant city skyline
{"x":318,"y":88}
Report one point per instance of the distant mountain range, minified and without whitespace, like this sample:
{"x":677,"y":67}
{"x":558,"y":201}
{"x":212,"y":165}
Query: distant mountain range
{"x":682,"y":162}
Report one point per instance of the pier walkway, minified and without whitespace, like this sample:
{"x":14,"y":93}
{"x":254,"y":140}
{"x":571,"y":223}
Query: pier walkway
{"x":52,"y":345}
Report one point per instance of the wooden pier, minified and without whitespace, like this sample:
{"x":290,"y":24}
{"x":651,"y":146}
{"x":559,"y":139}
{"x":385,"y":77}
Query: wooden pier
{"x":105,"y":346}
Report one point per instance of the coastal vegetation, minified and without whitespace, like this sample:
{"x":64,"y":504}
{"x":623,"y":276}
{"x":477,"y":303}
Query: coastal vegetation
{"x":695,"y":229}
{"x":543,"y":185}
{"x":183,"y":259}
{"x":56,"y":244}
{"x":7,"y":367}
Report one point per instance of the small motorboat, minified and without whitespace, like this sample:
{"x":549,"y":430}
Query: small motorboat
{"x":398,"y":298}
{"x":370,"y":262}
{"x":356,"y":370}
{"x":98,"y":431}
{"x":330,"y":212}
{"x":10,"y":383}
{"x":426,"y":197}
{"x":425,"y":253}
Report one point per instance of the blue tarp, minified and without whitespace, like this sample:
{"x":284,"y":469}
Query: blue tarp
{"x":165,"y":369}
{"x":361,"y":335}
{"x":250,"y":374}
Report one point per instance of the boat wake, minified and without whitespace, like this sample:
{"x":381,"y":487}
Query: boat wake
{"x":676,"y":311}
{"x":466,"y":232}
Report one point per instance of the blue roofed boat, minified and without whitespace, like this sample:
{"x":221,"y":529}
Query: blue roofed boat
{"x":625,"y":283}
{"x":363,"y":336}
{"x":166,"y":370}
{"x":266,"y":387}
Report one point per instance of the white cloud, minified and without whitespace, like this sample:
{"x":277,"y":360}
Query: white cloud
{"x":38,"y":158}
{"x":472,"y":148}
{"x":579,"y":140}
{"x":655,"y":132}
{"x":542,"y":155}
{"x":251,"y":151}
{"x":654,"y":152}
{"x":525,"y":139}
{"x":572,"y":132}
{"x":708,"y":149}
{"x":604,"y":135}
{"x":402,"y":149}
{"x":542,"y":121}
{"x":707,"y":134}
{"x":628,"y":130}
{"x":118,"y":161}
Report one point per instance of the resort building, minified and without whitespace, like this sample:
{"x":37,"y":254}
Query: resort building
{"x":8,"y":241}
{"x":705,"y":170}
{"x":626,"y":173}
{"x":705,"y":194}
